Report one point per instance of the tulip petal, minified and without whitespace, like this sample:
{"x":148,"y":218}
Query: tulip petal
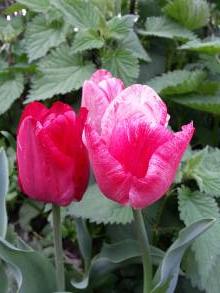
{"x":100,"y":75}
{"x":111,"y":177}
{"x":112,"y":87}
{"x":162,"y":169}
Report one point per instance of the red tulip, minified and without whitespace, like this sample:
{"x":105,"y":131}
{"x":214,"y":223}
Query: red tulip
{"x":135,"y":156}
{"x":52,"y":160}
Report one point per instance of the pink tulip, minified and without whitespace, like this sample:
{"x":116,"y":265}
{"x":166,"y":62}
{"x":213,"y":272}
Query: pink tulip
{"x":52,"y":161}
{"x":134,"y":155}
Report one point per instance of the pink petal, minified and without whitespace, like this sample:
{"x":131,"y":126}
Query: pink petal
{"x":100,"y":75}
{"x":112,"y":87}
{"x":162,"y":170}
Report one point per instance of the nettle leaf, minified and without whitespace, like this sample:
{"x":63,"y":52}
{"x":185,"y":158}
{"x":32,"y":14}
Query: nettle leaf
{"x":121,"y":63}
{"x":36,"y":5}
{"x":10,"y":30}
{"x":60,"y":73}
{"x":194,"y":206}
{"x":193,"y":14}
{"x":87,"y":40}
{"x":211,"y":46}
{"x":177,"y":82}
{"x":80,"y":13}
{"x":210,"y":104}
{"x":97,"y":208}
{"x":41,"y":36}
{"x":131,"y":42}
{"x":165,"y":28}
{"x":119,"y":27}
{"x":11,"y":87}
{"x":4,"y":175}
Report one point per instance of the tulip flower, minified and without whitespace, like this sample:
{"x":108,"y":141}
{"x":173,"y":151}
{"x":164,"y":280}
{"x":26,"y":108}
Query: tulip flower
{"x":52,"y":161}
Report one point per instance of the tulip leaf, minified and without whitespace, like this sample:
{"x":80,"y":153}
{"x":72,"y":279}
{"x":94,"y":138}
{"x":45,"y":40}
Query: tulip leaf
{"x":3,"y":278}
{"x":168,"y":271}
{"x":34,"y":272}
{"x":4,"y":174}
{"x":97,"y":208}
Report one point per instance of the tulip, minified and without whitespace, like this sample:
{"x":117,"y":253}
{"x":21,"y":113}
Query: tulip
{"x":52,"y":161}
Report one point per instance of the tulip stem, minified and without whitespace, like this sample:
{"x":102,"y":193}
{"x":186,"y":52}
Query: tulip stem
{"x":60,"y":278}
{"x":145,"y":249}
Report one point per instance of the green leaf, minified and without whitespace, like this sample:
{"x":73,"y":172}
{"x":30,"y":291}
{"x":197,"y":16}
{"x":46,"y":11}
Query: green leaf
{"x":211,"y":46}
{"x":131,"y":42}
{"x":210,"y":104}
{"x":15,"y":7}
{"x":193,"y":14}
{"x":194,"y":206}
{"x":37,"y":273}
{"x":87,"y":40}
{"x":11,"y":87}
{"x":36,"y":5}
{"x":169,"y":268}
{"x":121,"y":63}
{"x":163,"y":27}
{"x":80,"y":13}
{"x":61,"y":72}
{"x":177,"y":82}
{"x":97,"y":208}
{"x":42,"y":36}
{"x":3,"y":278}
{"x":4,"y":174}
{"x":10,"y":30}
{"x":119,"y":27}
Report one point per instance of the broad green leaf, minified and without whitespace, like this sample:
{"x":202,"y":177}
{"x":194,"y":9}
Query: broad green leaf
{"x":15,"y":7}
{"x":60,"y":73}
{"x":193,"y":14}
{"x":11,"y":87}
{"x":177,"y":82}
{"x":211,"y":62}
{"x":169,"y":268}
{"x":194,"y":206}
{"x":4,"y":174}
{"x":121,"y":63}
{"x":3,"y":278}
{"x":10,"y":30}
{"x":210,"y":104}
{"x":119,"y":27}
{"x":42,"y":36}
{"x":163,"y":27}
{"x":87,"y":40}
{"x":131,"y":42}
{"x":97,"y":208}
{"x":211,"y":46}
{"x":80,"y":13}
{"x":37,"y":272}
{"x":36,"y":5}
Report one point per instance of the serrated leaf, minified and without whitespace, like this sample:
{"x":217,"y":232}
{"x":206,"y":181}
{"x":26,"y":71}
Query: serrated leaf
{"x":119,"y":27}
{"x":87,"y":40}
{"x":193,"y":14}
{"x":41,"y":36}
{"x":36,"y":5}
{"x":194,"y":206}
{"x":4,"y":175}
{"x":211,"y":46}
{"x":177,"y":82}
{"x":121,"y":63}
{"x":97,"y":208}
{"x":165,"y":28}
{"x":61,"y":72}
{"x":131,"y":42}
{"x":80,"y":13}
{"x":10,"y":30}
{"x":11,"y":87}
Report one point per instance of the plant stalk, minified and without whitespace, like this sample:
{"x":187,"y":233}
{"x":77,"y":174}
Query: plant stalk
{"x":145,"y":249}
{"x":60,"y":278}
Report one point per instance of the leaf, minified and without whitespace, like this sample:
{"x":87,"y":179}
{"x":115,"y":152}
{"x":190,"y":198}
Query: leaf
{"x":97,"y":208}
{"x":169,"y":268}
{"x":177,"y":82}
{"x":121,"y":63}
{"x":163,"y":27}
{"x":11,"y":87}
{"x":211,"y":46}
{"x":42,"y":36}
{"x":3,"y":278}
{"x":119,"y":27}
{"x":61,"y":72}
{"x":87,"y":40}
{"x":10,"y":30}
{"x":36,"y":5}
{"x":4,"y":174}
{"x":131,"y":42}
{"x":194,"y":206}
{"x":80,"y":13}
{"x":193,"y":14}
{"x":37,"y":273}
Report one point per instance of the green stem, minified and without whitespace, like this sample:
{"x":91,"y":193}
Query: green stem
{"x":58,"y":248}
{"x":145,"y":248}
